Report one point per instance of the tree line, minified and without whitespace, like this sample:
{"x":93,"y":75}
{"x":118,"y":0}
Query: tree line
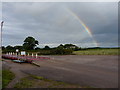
{"x":30,"y":45}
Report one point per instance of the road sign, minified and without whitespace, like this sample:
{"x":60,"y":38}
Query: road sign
{"x":23,"y":53}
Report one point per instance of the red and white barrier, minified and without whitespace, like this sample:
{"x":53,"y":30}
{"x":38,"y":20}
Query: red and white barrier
{"x":12,"y":56}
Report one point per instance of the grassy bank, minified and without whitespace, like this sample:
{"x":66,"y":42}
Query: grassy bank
{"x":97,"y":52}
{"x":39,"y":82}
{"x":7,"y":76}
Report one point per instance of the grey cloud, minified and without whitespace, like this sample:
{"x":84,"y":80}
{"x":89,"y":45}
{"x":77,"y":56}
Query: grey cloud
{"x":51,"y":23}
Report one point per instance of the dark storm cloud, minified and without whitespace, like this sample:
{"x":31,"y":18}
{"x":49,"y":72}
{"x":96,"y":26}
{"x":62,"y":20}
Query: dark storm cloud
{"x":52,"y":24}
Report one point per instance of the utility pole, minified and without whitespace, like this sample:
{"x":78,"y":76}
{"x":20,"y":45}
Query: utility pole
{"x":1,"y":56}
{"x":1,"y":41}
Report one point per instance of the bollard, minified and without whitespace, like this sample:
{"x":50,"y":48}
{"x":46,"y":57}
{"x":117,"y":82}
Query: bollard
{"x":32,"y":54}
{"x":19,"y":54}
{"x":28,"y":54}
{"x":36,"y":55}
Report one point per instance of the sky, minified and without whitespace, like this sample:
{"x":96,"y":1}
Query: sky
{"x":85,"y":24}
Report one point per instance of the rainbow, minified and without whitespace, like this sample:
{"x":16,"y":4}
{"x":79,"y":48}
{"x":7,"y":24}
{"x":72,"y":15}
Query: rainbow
{"x":84,"y":26}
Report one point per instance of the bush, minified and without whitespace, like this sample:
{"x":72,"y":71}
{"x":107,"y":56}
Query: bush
{"x":61,"y":51}
{"x":44,"y":52}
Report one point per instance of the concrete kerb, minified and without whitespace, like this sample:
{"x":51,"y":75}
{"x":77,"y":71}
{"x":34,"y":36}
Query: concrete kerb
{"x":36,"y":64}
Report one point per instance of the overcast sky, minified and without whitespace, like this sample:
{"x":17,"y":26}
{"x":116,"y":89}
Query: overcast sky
{"x":59,"y":23}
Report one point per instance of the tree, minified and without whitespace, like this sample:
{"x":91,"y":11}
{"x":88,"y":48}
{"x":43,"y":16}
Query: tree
{"x":37,"y":48}
{"x":18,"y":47}
{"x":46,"y":47}
{"x":60,"y":46}
{"x":9,"y":47}
{"x":30,"y":43}
{"x":3,"y":47}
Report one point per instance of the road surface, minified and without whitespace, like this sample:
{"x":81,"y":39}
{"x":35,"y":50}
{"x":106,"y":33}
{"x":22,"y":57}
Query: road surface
{"x":100,"y":71}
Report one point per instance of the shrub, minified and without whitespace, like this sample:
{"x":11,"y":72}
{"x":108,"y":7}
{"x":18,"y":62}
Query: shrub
{"x":61,"y":51}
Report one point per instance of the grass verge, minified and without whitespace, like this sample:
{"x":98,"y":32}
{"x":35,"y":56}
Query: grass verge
{"x":33,"y":81}
{"x":7,"y":76}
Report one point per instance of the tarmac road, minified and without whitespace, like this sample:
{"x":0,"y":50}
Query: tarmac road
{"x":100,"y":71}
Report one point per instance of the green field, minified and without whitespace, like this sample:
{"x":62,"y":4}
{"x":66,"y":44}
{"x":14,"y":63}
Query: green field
{"x":97,"y":52}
